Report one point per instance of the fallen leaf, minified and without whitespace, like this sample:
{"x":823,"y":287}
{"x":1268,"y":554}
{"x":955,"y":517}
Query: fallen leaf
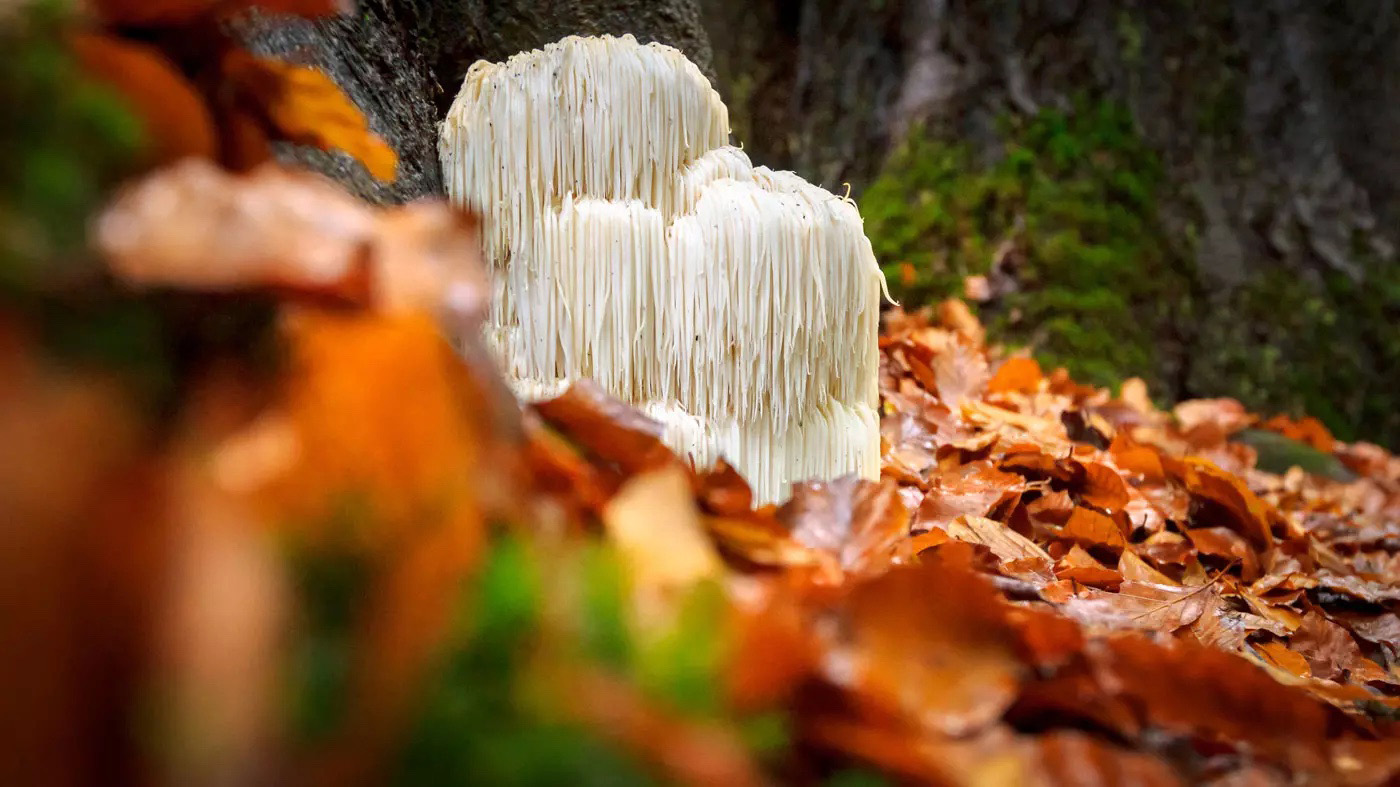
{"x":1102,"y":487}
{"x":857,"y":521}
{"x":194,"y":226}
{"x":1278,"y":656}
{"x":1092,"y":529}
{"x":1136,"y":569}
{"x":1331,"y":652}
{"x":1138,"y":605}
{"x":304,"y":105}
{"x":946,"y":659}
{"x":606,"y":427}
{"x":1226,"y":543}
{"x":1016,"y":374}
{"x":1079,"y":566}
{"x":1008,"y":545}
{"x":174,"y":118}
{"x":656,"y":526}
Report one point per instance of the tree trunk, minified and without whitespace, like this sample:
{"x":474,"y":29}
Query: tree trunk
{"x":1277,"y":124}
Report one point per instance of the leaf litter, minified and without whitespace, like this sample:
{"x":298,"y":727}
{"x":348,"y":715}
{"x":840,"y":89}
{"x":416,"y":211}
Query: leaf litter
{"x":1051,"y":583}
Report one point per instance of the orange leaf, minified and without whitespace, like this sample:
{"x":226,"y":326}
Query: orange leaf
{"x":1136,"y":569}
{"x":1081,"y":567}
{"x":1092,"y":529}
{"x":178,"y":12}
{"x":1103,"y":487}
{"x":1137,"y":460}
{"x":175,"y":119}
{"x":1017,"y":374}
{"x":1277,"y":655}
{"x":1253,"y":516}
{"x":303,"y":105}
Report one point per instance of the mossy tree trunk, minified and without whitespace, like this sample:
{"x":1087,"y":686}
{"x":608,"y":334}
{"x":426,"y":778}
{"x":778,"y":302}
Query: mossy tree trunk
{"x":1276,"y":124}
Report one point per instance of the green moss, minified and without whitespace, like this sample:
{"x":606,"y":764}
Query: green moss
{"x":1067,"y":208}
{"x":1325,"y":346}
{"x":70,"y":143}
{"x":1069,"y":203}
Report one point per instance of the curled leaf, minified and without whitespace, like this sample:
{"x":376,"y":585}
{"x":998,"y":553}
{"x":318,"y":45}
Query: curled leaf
{"x":303,"y":105}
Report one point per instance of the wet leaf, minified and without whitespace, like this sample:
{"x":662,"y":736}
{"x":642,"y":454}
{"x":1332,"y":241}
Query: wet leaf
{"x":607,"y":428}
{"x":1102,"y":487}
{"x":856,"y":521}
{"x":945,"y":660}
{"x":1089,"y":528}
{"x":1139,"y":605}
{"x":1008,"y":545}
{"x":1331,"y":652}
{"x":1079,"y":566}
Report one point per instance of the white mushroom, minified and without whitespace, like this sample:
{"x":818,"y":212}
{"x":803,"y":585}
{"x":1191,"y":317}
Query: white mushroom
{"x":629,"y":244}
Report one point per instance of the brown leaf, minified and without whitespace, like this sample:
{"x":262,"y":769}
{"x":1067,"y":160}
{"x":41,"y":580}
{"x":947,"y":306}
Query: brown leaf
{"x":656,"y":526}
{"x":857,"y":521}
{"x":175,"y":119}
{"x":303,"y":105}
{"x":1227,"y":415}
{"x":1226,"y":543}
{"x":944,"y":658}
{"x":194,"y":226}
{"x":773,"y":651}
{"x":761,"y":541}
{"x":1331,"y":652}
{"x":1102,"y":487}
{"x":606,"y":427}
{"x":1215,"y":695}
{"x":1249,"y":515}
{"x":1219,"y":627}
{"x":1092,"y":529}
{"x":1139,"y":461}
{"x":1138,"y":605}
{"x":1079,"y":566}
{"x":1136,"y":569}
{"x":968,"y":489}
{"x":723,"y":491}
{"x":1064,"y":758}
{"x":1008,"y":545}
{"x":1381,"y":629}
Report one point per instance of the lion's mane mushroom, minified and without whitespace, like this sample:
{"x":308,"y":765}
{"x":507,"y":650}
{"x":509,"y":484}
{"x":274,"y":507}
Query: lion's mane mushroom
{"x":631,"y":245}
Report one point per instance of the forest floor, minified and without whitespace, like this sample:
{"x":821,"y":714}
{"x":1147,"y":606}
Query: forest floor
{"x":267,"y":523}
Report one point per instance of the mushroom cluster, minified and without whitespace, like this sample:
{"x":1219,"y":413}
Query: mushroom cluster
{"x":630,"y":244}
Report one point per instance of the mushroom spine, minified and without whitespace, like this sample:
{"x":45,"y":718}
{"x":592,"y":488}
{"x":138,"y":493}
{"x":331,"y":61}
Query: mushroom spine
{"x":630,"y":244}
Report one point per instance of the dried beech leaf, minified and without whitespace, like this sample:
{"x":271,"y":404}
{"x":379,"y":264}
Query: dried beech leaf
{"x":1092,"y":529}
{"x":1016,"y":374}
{"x":303,"y":105}
{"x":654,"y":522}
{"x":1139,"y":605}
{"x":1005,"y":543}
{"x":1079,"y":566}
{"x":194,"y":226}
